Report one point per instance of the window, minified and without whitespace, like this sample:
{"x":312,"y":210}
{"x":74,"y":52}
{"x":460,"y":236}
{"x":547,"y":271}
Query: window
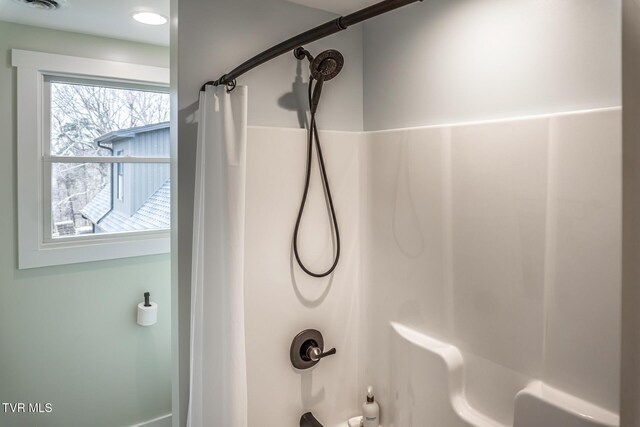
{"x":93,"y":159}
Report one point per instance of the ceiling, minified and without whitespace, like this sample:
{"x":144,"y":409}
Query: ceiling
{"x":112,"y":18}
{"x":108,"y":18}
{"x":340,"y":7}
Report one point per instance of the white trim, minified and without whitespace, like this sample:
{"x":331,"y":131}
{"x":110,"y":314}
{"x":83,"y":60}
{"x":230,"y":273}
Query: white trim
{"x":451,"y":124}
{"x":105,"y":159}
{"x":499,"y":120}
{"x":303,"y":130}
{"x":33,"y":249}
{"x":74,"y":66}
{"x":163,"y":421}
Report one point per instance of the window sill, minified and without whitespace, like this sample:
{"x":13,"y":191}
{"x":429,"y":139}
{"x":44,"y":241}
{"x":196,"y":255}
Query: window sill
{"x":95,"y":248}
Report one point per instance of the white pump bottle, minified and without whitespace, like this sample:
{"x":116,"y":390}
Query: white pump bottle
{"x":370,"y":410}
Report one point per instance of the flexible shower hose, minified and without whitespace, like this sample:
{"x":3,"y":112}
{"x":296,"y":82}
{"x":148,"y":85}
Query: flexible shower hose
{"x":314,"y":137}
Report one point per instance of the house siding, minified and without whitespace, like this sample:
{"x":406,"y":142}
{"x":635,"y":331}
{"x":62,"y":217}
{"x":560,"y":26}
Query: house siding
{"x":142,"y":180}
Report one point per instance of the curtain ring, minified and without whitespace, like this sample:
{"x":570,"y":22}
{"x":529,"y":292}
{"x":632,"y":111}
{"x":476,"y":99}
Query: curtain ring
{"x":231,"y":85}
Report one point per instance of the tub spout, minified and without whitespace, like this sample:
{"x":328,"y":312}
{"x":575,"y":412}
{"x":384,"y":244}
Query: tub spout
{"x":308,"y":420}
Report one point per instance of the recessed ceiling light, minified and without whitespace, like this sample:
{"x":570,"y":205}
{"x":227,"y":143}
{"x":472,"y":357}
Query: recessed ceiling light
{"x":149,"y":18}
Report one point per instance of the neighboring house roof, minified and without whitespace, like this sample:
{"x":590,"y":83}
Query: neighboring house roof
{"x":130,"y":133}
{"x":99,"y":206}
{"x":155,"y":213}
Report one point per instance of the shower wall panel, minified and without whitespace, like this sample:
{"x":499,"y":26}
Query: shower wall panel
{"x":280,"y":299}
{"x":583,"y":252}
{"x":503,"y":239}
{"x":499,"y":238}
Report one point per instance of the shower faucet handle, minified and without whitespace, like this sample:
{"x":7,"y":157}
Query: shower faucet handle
{"x":307,"y":349}
{"x":314,"y":353}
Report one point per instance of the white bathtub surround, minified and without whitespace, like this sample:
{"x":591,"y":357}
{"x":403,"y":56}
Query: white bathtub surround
{"x":218,"y":368}
{"x":499,"y":238}
{"x":503,"y":239}
{"x":280,"y":299}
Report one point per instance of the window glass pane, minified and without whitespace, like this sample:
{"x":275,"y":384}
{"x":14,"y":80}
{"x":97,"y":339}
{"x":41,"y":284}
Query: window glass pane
{"x":85,"y":200}
{"x":90,"y":120}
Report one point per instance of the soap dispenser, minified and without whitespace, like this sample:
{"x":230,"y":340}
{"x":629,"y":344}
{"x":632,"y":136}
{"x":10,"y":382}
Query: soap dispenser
{"x":370,"y":410}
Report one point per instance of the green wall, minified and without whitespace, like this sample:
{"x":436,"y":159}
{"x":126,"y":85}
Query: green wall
{"x":68,"y":334}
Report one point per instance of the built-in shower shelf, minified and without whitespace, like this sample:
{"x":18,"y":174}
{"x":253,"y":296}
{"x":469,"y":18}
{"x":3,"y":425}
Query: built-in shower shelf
{"x":428,"y":382}
{"x":538,"y":404}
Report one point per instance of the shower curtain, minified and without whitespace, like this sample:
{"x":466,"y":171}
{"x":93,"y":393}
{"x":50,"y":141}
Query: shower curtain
{"x":218,"y":386}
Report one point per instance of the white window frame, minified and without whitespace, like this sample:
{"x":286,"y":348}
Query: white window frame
{"x":34,"y":207}
{"x":119,"y":178}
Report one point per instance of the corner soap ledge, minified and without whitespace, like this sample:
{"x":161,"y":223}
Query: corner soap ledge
{"x":535,"y":405}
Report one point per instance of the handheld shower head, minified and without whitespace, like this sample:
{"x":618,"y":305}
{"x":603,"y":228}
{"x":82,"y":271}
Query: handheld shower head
{"x":324,"y":67}
{"x":327,"y":65}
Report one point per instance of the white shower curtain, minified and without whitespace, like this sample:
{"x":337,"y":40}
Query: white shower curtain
{"x":218,"y":388}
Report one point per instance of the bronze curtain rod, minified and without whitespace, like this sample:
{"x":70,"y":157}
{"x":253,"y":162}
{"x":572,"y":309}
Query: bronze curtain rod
{"x":317,"y":33}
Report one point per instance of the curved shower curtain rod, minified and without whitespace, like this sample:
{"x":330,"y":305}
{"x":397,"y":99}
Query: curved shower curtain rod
{"x":317,"y":33}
